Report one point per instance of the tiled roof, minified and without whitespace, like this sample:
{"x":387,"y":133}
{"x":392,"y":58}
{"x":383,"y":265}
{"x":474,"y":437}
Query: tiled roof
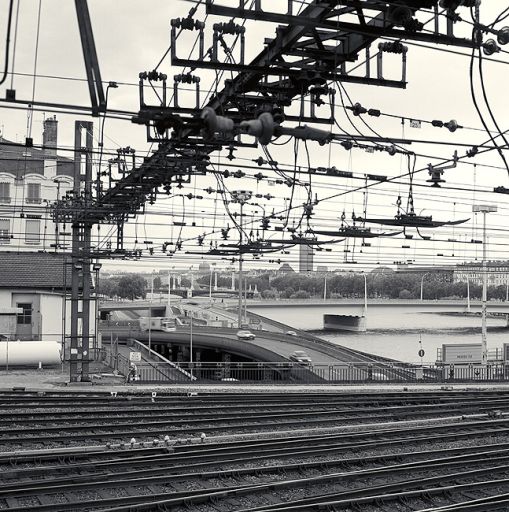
{"x":18,"y":160}
{"x":32,"y":270}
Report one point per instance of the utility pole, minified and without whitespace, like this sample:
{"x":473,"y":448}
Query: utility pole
{"x":484,"y":209}
{"x":169,"y":293}
{"x":191,"y":345}
{"x":241,"y":197}
{"x":468,"y":295}
{"x":210,"y":283}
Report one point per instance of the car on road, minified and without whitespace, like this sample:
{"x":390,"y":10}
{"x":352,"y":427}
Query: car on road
{"x":299,"y":356}
{"x":291,"y":333}
{"x":245,"y":335}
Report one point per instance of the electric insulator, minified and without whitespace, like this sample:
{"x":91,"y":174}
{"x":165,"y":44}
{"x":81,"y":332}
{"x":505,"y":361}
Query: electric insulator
{"x":503,"y":36}
{"x":214,"y":123}
{"x":392,"y":47}
{"x":358,"y":109}
{"x":374,"y":112}
{"x":229,"y":28}
{"x":452,"y":125}
{"x":435,"y":176}
{"x":489,"y":47}
{"x":261,"y":128}
{"x":186,"y":78}
{"x":187,"y":24}
{"x":230,"y":155}
{"x":472,"y":152}
{"x":391,"y":150}
{"x":347,"y":144}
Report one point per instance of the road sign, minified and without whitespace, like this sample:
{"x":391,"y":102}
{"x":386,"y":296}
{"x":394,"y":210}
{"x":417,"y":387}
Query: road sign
{"x":135,"y":357}
{"x":421,"y":353}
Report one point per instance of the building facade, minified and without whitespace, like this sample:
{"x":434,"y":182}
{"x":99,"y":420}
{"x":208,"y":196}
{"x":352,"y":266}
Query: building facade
{"x":305,"y":258}
{"x":497,"y":273}
{"x":33,"y":288}
{"x":30,"y":180}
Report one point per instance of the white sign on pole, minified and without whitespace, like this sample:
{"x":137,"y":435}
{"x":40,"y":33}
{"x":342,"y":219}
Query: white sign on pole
{"x":135,"y":357}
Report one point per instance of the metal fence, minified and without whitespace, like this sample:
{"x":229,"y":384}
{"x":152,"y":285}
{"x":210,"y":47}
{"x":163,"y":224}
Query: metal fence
{"x":288,"y":373}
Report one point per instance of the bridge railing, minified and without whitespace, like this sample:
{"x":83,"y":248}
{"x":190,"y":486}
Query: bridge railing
{"x":158,"y":362}
{"x":344,"y":373}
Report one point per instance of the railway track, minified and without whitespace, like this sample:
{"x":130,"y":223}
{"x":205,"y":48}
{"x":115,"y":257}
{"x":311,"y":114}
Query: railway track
{"x":251,"y":465}
{"x":49,"y":418}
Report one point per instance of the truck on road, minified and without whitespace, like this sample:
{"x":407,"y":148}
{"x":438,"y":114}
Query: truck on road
{"x":157,"y":323}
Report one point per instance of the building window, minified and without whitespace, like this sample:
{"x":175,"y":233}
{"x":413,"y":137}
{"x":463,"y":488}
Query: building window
{"x":33,"y":231}
{"x":26,"y":316}
{"x":5,"y":192}
{"x":5,"y":228}
{"x":33,"y":193}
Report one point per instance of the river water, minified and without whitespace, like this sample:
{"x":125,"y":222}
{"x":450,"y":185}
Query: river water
{"x":395,"y":334}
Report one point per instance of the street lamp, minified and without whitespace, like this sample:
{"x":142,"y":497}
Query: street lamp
{"x":365,"y":295}
{"x":169,"y":294}
{"x":422,"y":284}
{"x":241,"y":197}
{"x":210,"y":282}
{"x":484,"y":209}
{"x":150,"y":313}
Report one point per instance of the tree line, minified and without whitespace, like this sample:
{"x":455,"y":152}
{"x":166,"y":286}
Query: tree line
{"x":382,"y":285}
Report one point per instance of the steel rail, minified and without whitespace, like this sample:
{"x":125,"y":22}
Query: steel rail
{"x":131,"y":474}
{"x":378,"y":435}
{"x":393,"y":491}
{"x":389,"y":412}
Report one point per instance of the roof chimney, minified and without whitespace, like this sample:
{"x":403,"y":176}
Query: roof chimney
{"x":49,"y":137}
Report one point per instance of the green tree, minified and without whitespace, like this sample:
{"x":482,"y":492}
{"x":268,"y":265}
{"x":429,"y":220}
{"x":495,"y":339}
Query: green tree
{"x":132,"y":286}
{"x":288,"y":292}
{"x":157,"y":283}
{"x":108,"y":287}
{"x":270,"y":294}
{"x":405,"y":294}
{"x":301,"y":294}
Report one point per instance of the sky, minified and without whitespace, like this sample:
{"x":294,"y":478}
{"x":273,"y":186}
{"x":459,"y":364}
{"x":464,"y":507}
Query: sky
{"x":132,"y":36}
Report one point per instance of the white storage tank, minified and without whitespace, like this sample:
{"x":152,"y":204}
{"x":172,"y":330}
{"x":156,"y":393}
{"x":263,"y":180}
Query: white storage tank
{"x":30,"y":353}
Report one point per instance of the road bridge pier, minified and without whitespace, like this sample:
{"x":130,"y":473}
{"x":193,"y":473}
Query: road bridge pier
{"x":353,"y":323}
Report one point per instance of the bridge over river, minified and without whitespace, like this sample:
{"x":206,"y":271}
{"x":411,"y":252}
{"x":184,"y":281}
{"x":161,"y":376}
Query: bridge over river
{"x":309,"y":314}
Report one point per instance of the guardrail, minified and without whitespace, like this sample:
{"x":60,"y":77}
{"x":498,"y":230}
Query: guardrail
{"x":288,"y":373}
{"x":161,"y":365}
